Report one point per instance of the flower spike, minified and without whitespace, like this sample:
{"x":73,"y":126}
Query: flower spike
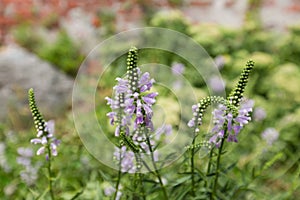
{"x":45,"y":130}
{"x":37,"y":117}
{"x":200,"y":108}
{"x":237,"y":93}
{"x":132,"y":70}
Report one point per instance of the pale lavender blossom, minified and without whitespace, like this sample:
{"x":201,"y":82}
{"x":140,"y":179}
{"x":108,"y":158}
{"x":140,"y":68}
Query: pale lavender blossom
{"x":133,"y":105}
{"x":127,"y":159}
{"x":25,"y":156}
{"x":216,"y":84}
{"x":3,"y":161}
{"x":110,"y":190}
{"x":165,"y":129}
{"x":219,"y":61}
{"x":46,"y":138}
{"x":234,"y":125}
{"x":177,"y":68}
{"x":131,"y":112}
{"x":192,"y":122}
{"x":30,"y":172}
{"x":270,"y":135}
{"x":259,"y":114}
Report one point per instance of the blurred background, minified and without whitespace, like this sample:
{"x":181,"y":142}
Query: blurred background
{"x":43,"y":43}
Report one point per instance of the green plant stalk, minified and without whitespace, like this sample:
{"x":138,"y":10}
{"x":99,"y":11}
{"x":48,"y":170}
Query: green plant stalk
{"x":218,"y":165}
{"x":156,"y":170}
{"x":140,"y":175}
{"x":119,"y":179}
{"x":50,"y":173}
{"x":193,"y":166}
{"x":208,"y":167}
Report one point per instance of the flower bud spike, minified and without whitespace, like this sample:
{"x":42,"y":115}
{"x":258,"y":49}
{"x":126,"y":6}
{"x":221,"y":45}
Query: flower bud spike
{"x":237,"y":93}
{"x":37,"y":117}
{"x":132,"y":70}
{"x":201,"y":107}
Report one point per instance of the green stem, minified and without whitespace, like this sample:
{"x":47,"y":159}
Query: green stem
{"x":218,"y":167}
{"x":140,"y":175}
{"x":156,"y":170}
{"x":192,"y":167}
{"x":119,"y":178}
{"x":142,"y":186}
{"x":50,"y":173}
{"x":208,"y":167}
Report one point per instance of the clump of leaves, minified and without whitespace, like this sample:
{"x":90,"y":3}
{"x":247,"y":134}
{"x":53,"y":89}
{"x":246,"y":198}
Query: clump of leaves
{"x":63,"y":53}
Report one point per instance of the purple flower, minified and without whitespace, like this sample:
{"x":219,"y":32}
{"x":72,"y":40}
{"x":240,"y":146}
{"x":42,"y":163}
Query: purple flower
{"x":46,"y":139}
{"x":216,"y":84}
{"x":122,"y":86}
{"x":165,"y":129}
{"x":133,"y":104}
{"x":3,"y":160}
{"x":139,"y":105}
{"x":145,"y":83}
{"x":220,"y":61}
{"x":112,"y":116}
{"x":270,"y":135}
{"x":30,"y":172}
{"x":177,"y":68}
{"x":259,"y":114}
{"x":196,"y":118}
{"x":191,"y":123}
{"x":110,"y":190}
{"x":222,"y":116}
{"x":131,"y":112}
{"x":126,"y":158}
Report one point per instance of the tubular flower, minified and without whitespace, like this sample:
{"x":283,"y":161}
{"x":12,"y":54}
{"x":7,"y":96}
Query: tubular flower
{"x":200,"y":108}
{"x":45,"y":130}
{"x":132,"y":109}
{"x":225,"y":119}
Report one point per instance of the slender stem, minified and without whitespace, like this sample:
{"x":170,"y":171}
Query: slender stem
{"x":192,"y":167}
{"x":142,"y":186}
{"x":140,"y":175}
{"x":218,"y":167}
{"x":50,"y":173}
{"x":156,"y":170}
{"x":119,"y":177}
{"x":208,"y":167}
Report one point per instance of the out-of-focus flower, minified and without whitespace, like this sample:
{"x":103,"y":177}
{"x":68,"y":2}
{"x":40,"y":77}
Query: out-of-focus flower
{"x":165,"y":129}
{"x":216,"y":84}
{"x":219,"y":61}
{"x":177,"y":68}
{"x":3,"y":161}
{"x":270,"y":135}
{"x":127,"y":159}
{"x":110,"y":190}
{"x":30,"y":172}
{"x":259,"y":114}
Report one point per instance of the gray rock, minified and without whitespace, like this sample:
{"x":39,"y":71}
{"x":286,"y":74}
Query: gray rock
{"x":21,"y":70}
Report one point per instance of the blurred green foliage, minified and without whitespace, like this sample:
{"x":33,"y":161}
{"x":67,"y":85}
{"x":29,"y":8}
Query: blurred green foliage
{"x":63,"y":53}
{"x":60,"y":51}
